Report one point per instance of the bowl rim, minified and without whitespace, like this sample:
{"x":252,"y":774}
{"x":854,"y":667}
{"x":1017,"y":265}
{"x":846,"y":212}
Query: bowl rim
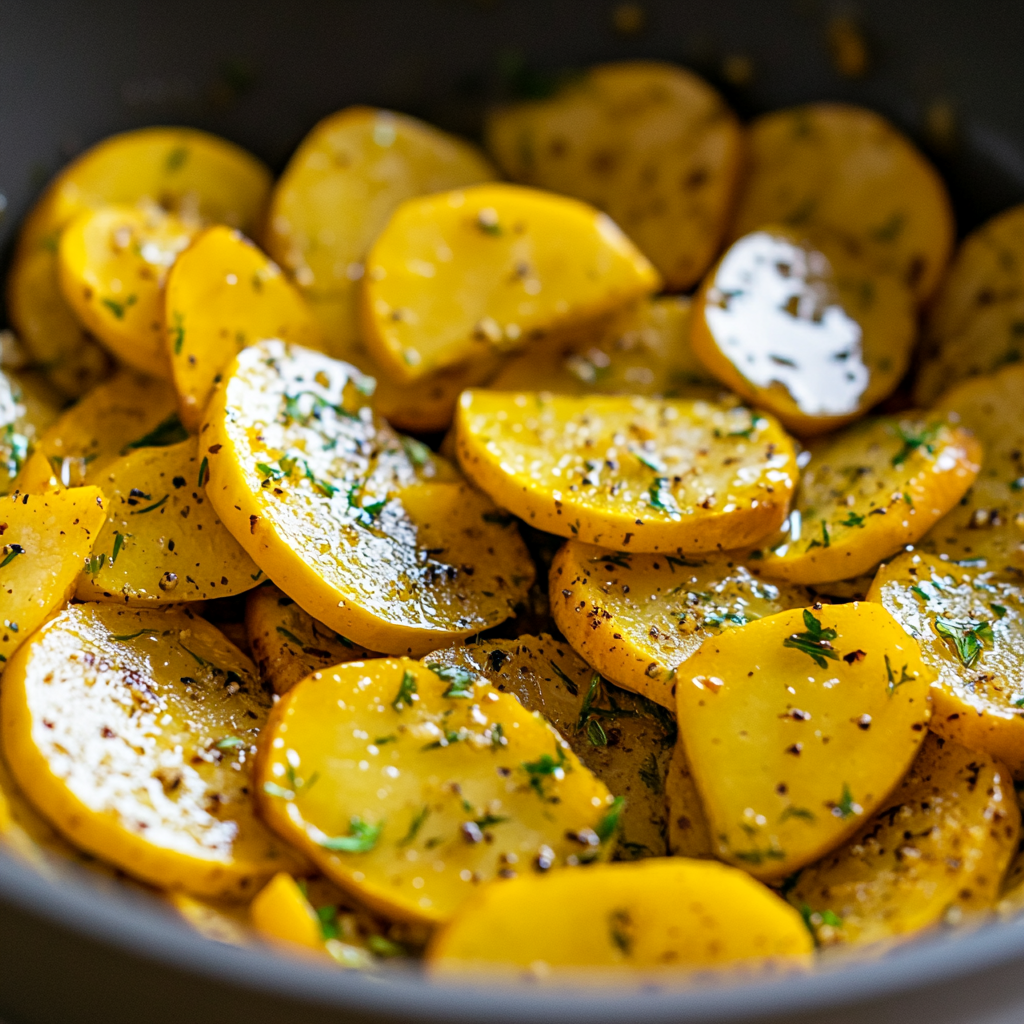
{"x":137,"y":924}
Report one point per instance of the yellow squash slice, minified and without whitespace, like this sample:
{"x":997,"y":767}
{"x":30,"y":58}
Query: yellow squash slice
{"x":124,"y":413}
{"x":181,"y":169}
{"x":797,"y":726}
{"x":57,"y":343}
{"x":644,"y":350}
{"x":222,"y":295}
{"x":987,"y":527}
{"x":625,"y":741}
{"x":651,"y":144}
{"x":44,"y":541}
{"x":850,"y":171}
{"x":636,"y":618}
{"x":977,"y":322}
{"x":629,"y":472}
{"x":341,"y":187}
{"x":27,"y":408}
{"x":658,"y":915}
{"x":162,"y":541}
{"x":371,"y":534}
{"x":800,"y":327}
{"x":457,"y":276}
{"x":37,"y":476}
{"x":134,"y":732}
{"x":113,"y":263}
{"x":869,"y":491}
{"x":288,"y":644}
{"x":281,"y":913}
{"x":969,"y":623}
{"x":938,"y":851}
{"x":392,"y":777}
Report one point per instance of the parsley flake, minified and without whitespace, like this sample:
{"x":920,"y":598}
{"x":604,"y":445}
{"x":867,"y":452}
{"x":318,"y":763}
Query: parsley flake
{"x":362,"y":837}
{"x":816,"y":642}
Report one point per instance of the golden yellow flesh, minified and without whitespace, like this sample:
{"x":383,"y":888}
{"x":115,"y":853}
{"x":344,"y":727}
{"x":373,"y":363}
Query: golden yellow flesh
{"x":124,"y":413}
{"x":636,"y":618}
{"x":280,"y":912}
{"x":44,"y":541}
{"x":939,"y":850}
{"x":162,"y":541}
{"x":392,"y":787}
{"x":969,"y":623}
{"x":37,"y":476}
{"x":55,"y":340}
{"x":113,"y":263}
{"x":846,"y":169}
{"x":340,"y":188}
{"x":793,"y":742}
{"x":975,"y":324}
{"x":456,"y":276}
{"x":134,"y":732}
{"x":643,"y":350}
{"x":869,"y":491}
{"x":988,"y":525}
{"x":288,"y":644}
{"x":371,"y":534}
{"x":652,"y":145}
{"x":659,"y":914}
{"x":180,"y":169}
{"x":629,"y":472}
{"x":799,"y":327}
{"x":27,"y":408}
{"x":625,"y":741}
{"x":222,"y":295}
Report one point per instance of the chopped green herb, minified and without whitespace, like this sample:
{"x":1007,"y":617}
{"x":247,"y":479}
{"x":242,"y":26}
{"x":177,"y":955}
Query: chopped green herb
{"x":894,"y":683}
{"x":150,"y":508}
{"x":921,"y":593}
{"x":796,"y":812}
{"x":289,"y":635}
{"x":204,"y":468}
{"x":544,"y":767}
{"x":461,"y":683}
{"x":852,"y":519}
{"x":229,"y":743}
{"x":650,"y":775}
{"x":11,"y":552}
{"x":273,"y":789}
{"x":593,"y":691}
{"x":649,"y":460}
{"x":609,"y":823}
{"x":724,"y":618}
{"x":968,"y":637}
{"x":619,"y":922}
{"x":406,"y":691}
{"x":450,"y":736}
{"x":912,"y":442}
{"x":176,"y":159}
{"x":169,"y":432}
{"x":661,"y":498}
{"x":414,"y":826}
{"x":177,"y":332}
{"x":999,"y":610}
{"x":132,"y":636}
{"x":825,"y":541}
{"x":93,"y":563}
{"x":619,"y":558}
{"x":362,"y":837}
{"x":846,"y":806}
{"x":119,"y":308}
{"x":570,"y":685}
{"x":416,"y":451}
{"x":683,"y":563}
{"x":490,"y":820}
{"x":18,"y":450}
{"x":498,"y":736}
{"x":118,"y":544}
{"x":816,"y":642}
{"x":756,"y":856}
{"x":596,"y":734}
{"x":383,"y":947}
